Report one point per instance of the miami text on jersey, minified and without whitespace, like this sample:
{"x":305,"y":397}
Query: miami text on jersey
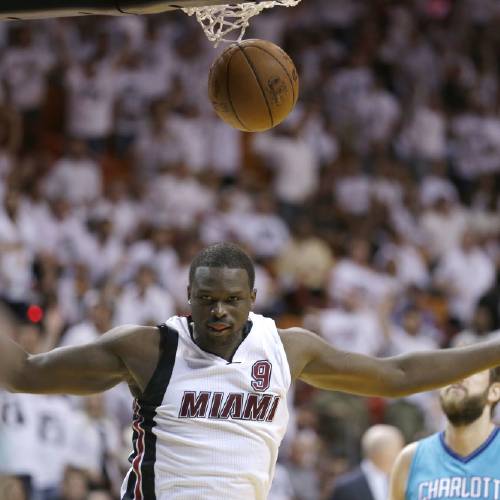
{"x":234,"y":405}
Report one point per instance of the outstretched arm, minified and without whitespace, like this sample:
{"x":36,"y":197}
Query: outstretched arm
{"x":313,"y":360}
{"x":86,"y":369}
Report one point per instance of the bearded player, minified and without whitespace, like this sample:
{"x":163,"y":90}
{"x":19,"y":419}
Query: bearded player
{"x":210,"y":389}
{"x":463,"y":461}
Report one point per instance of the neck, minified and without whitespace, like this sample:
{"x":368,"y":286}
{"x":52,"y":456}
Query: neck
{"x":465,"y":439}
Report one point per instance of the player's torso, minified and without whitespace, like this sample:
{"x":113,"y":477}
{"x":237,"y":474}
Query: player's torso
{"x":436,"y":472}
{"x":218,"y":425}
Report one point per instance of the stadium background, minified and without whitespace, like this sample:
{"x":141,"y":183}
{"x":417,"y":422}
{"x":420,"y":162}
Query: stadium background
{"x":372,"y":212}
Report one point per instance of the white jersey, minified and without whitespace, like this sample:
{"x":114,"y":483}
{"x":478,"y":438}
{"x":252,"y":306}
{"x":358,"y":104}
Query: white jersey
{"x":36,"y":436}
{"x":207,"y":428}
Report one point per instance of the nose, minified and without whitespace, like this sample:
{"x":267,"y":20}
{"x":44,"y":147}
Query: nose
{"x":218,"y":310}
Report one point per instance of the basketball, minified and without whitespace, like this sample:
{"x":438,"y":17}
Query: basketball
{"x":253,"y":85}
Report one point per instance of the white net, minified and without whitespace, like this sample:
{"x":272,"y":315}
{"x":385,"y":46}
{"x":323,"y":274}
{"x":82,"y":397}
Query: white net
{"x":220,"y":20}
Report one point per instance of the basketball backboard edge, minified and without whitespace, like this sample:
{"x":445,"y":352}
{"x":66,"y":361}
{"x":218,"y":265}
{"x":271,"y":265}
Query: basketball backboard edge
{"x":39,"y":9}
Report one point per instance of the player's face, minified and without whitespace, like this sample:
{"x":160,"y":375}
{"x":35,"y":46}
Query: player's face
{"x":221,"y":299}
{"x":465,"y":401}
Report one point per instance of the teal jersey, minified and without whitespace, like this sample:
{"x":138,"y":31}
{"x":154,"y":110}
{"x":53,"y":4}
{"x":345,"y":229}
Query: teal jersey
{"x":438,"y":472}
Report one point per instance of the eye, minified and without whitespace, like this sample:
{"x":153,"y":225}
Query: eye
{"x":234,"y":299}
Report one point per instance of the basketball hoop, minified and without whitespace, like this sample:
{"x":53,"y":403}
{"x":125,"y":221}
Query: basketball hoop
{"x":220,"y":20}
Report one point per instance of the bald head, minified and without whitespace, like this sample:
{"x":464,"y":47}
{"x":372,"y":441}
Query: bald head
{"x":381,"y":445}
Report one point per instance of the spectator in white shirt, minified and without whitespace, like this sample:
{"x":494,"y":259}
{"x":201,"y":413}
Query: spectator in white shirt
{"x":37,"y":429}
{"x":314,"y":129}
{"x":437,"y":185}
{"x":125,"y":210}
{"x":98,"y":320}
{"x":386,"y":184}
{"x":295,"y":167}
{"x":187,"y":248}
{"x":352,"y":190}
{"x":192,"y":137}
{"x":104,"y":253}
{"x":90,"y":94}
{"x":223,"y":148}
{"x":72,"y":291}
{"x":220,"y":224}
{"x":266,"y":286}
{"x":406,"y":258}
{"x":442,"y":225}
{"x":355,"y":274}
{"x":157,"y":143}
{"x":131,"y":102}
{"x":423,"y":137}
{"x":36,"y":432}
{"x":348,"y":85}
{"x":144,"y":302}
{"x":62,"y":232}
{"x":25,"y":67}
{"x":158,"y":61}
{"x":412,"y":335}
{"x":98,"y":441}
{"x":177,"y":198}
{"x":76,"y":176}
{"x":17,"y":236}
{"x":157,"y":251}
{"x":262,"y":230}
{"x":475,"y":144}
{"x":350,"y":326}
{"x":192,"y":56}
{"x":465,"y":273}
{"x":378,"y":113}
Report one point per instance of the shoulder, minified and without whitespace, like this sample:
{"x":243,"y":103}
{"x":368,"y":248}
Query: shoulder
{"x":128,"y":340}
{"x":401,"y":471}
{"x":126,"y":333}
{"x":406,"y":455}
{"x":295,"y":335}
{"x":139,"y":348}
{"x":297,"y":343}
{"x":404,"y":460}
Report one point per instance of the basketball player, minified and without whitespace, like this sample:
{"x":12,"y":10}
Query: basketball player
{"x":462,"y":461}
{"x":210,"y":389}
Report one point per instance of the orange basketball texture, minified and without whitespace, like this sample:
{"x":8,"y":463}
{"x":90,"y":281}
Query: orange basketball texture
{"x":253,"y":85}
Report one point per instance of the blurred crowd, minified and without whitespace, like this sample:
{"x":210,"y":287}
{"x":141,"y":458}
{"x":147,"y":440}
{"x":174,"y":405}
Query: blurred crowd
{"x":372,"y":212}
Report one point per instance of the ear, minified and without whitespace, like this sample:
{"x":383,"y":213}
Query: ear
{"x":494,"y":392}
{"x":253,"y":295}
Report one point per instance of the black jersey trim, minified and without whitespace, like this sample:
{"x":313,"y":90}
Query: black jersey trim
{"x":141,"y":481}
{"x":155,"y":390}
